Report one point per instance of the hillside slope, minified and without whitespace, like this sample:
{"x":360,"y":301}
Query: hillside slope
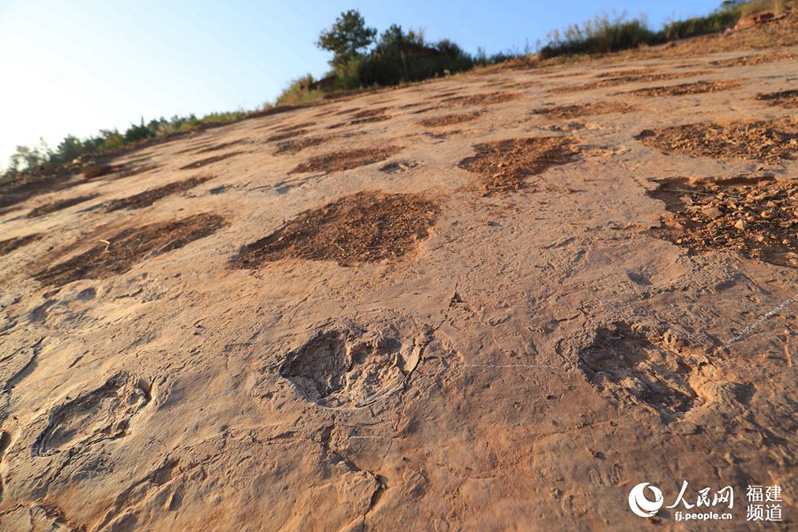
{"x":495,"y":301}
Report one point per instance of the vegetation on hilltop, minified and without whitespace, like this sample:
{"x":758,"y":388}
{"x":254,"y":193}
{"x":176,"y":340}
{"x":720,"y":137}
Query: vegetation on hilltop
{"x":605,"y":35}
{"x":361,"y":59}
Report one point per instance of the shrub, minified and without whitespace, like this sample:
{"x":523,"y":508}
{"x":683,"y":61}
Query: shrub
{"x":401,"y":57}
{"x":223,"y":118}
{"x":298,"y":92}
{"x":715,"y":22}
{"x":600,"y":35}
{"x":749,"y":8}
{"x":136,"y":133}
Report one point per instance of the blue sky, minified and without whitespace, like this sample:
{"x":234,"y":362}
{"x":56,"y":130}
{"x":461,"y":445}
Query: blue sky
{"x":81,"y":65}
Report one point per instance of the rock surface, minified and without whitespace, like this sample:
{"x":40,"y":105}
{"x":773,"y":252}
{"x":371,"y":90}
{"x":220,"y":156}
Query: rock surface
{"x":516,"y":359}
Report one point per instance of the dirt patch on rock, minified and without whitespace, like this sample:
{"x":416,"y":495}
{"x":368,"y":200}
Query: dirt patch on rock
{"x":148,"y":197}
{"x":490,"y":98}
{"x":364,"y":117}
{"x":346,"y":160}
{"x":787,"y":99}
{"x":756,"y":218}
{"x":361,"y":228}
{"x":210,"y":160}
{"x":625,"y":73}
{"x":222,"y":146}
{"x":11,"y":244}
{"x":295,"y":127}
{"x":621,"y":80}
{"x":371,"y":112}
{"x":297,"y":145}
{"x":54,"y":206}
{"x":632,"y":369}
{"x":448,"y":120}
{"x":122,"y":251}
{"x":411,"y":105}
{"x":580,"y":110}
{"x":354,"y":366}
{"x":286,"y":135}
{"x":505,"y":165}
{"x":767,"y":140}
{"x":369,"y":120}
{"x":700,"y":87}
{"x":751,"y":60}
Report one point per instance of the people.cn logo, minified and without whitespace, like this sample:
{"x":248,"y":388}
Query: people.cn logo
{"x":642,"y":505}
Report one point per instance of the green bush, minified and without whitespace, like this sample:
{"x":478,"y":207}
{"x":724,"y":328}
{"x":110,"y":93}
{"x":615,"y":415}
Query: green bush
{"x":405,"y":56}
{"x":223,"y":118}
{"x":600,"y":35}
{"x":603,"y":35}
{"x":749,"y":8}
{"x":712,"y":23}
{"x":298,"y":92}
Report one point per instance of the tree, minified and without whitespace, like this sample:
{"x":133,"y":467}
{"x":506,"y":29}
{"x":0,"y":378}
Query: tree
{"x":26,"y":158}
{"x":346,"y":38}
{"x":69,"y":149}
{"x":729,"y":5}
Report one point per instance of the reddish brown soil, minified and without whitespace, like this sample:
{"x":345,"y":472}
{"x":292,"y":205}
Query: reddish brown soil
{"x":625,"y":73}
{"x":411,"y":105}
{"x":297,"y":145}
{"x":758,"y":59}
{"x":148,"y":197}
{"x":449,"y":120}
{"x":370,"y":119}
{"x":700,"y":87}
{"x":222,"y":146}
{"x":767,"y":140}
{"x":621,"y":80}
{"x":11,"y":244}
{"x":371,"y":112}
{"x":54,"y":206}
{"x":587,"y":109}
{"x":210,"y":160}
{"x":365,"y":227}
{"x":346,"y":160}
{"x":344,"y":112}
{"x":287,"y":135}
{"x":480,"y":99}
{"x":787,"y":99}
{"x":122,"y":251}
{"x":756,"y":218}
{"x":505,"y":165}
{"x":367,"y":116}
{"x":288,"y":129}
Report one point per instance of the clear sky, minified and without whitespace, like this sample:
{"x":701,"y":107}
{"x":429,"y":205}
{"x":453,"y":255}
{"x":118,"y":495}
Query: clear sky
{"x":76,"y":66}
